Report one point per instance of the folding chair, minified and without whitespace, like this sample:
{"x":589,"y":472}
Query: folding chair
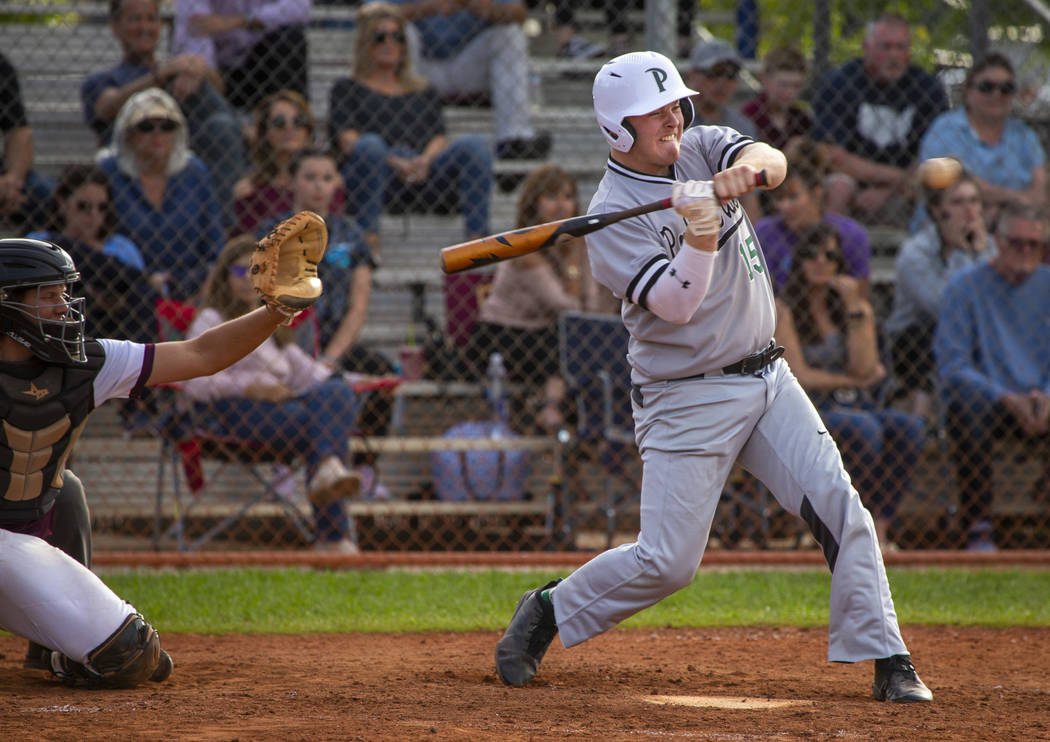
{"x":187,"y":442}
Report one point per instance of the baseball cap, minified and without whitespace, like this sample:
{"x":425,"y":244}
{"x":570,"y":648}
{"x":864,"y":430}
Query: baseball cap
{"x":706,"y":54}
{"x":152,"y":103}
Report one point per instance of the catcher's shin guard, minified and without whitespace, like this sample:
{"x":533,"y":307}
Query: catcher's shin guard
{"x":131,"y":655}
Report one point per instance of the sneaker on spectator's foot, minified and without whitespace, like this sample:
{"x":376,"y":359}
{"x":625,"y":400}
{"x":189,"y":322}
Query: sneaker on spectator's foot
{"x":284,"y":483}
{"x":333,"y":481}
{"x":342,"y":546}
{"x":536,"y":148}
{"x":896,"y":680}
{"x":578,"y":47}
{"x":531,"y":631}
{"x":981,"y":537}
{"x":371,"y":487}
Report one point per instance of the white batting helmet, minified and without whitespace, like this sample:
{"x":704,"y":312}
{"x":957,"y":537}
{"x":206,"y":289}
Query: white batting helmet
{"x":633,"y":84}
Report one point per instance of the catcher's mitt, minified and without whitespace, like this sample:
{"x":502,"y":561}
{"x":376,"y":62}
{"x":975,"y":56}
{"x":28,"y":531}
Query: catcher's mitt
{"x":284,"y":264}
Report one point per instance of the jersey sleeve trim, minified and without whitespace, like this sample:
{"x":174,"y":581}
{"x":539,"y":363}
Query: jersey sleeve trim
{"x":644,"y":295}
{"x":730,"y":151}
{"x":641,"y":275}
{"x":144,"y":374}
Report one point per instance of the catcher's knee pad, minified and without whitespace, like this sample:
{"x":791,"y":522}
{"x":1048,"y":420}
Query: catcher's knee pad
{"x":130,"y":655}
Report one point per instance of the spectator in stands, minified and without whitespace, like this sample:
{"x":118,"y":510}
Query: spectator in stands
{"x":23,"y":191}
{"x":480,"y":48}
{"x":279,"y":396}
{"x":574,"y":46}
{"x":259,"y":46}
{"x":776,"y":113}
{"x":714,"y":67}
{"x":992,"y":347}
{"x":714,"y":70}
{"x":346,"y":272}
{"x":214,"y":133}
{"x":799,"y":202}
{"x":162,"y":194}
{"x":119,"y":293}
{"x":519,"y":316}
{"x":283,"y":127}
{"x":873,"y":111}
{"x":954,"y":239}
{"x":1002,"y":151}
{"x":828,"y":331}
{"x":388,"y":125}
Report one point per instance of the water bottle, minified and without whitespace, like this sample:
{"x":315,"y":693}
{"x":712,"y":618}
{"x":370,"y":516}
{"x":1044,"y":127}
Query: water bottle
{"x":496,"y":392}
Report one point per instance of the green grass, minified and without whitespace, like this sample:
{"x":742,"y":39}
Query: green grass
{"x":298,"y":601}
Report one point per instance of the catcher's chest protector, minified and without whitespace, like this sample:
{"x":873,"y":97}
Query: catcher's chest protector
{"x":43,"y":415}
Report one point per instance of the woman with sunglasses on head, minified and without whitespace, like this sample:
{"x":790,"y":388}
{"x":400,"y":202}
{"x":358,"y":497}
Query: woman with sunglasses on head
{"x":1002,"y":151}
{"x":388,"y":127}
{"x":163,"y":195}
{"x":828,"y":331}
{"x":283,"y":126}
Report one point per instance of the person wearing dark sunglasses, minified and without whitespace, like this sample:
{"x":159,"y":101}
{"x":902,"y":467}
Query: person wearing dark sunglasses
{"x":388,"y":127}
{"x":163,"y":196}
{"x":829,"y":335}
{"x":714,"y":71}
{"x":470,"y":50}
{"x":282,"y":127}
{"x":998,"y":148}
{"x":213,"y":128}
{"x":993,"y":355}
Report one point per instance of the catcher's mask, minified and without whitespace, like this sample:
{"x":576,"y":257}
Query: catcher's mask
{"x":632,"y":84}
{"x":49,"y":323}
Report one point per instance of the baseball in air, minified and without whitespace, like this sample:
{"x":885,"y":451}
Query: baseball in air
{"x":940,"y":172}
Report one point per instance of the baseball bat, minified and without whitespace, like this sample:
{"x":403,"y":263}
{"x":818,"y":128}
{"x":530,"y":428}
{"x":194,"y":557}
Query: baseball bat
{"x":517,"y":242}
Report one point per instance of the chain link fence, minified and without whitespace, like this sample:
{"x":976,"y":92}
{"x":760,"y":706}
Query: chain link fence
{"x":489,"y":410}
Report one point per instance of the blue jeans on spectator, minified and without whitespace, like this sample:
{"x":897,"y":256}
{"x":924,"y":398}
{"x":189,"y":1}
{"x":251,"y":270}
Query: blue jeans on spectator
{"x":465,"y":165}
{"x":974,"y":421}
{"x":316,"y":424}
{"x":880,"y":449}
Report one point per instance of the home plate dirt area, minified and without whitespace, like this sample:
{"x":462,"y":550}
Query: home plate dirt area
{"x":629,"y":684}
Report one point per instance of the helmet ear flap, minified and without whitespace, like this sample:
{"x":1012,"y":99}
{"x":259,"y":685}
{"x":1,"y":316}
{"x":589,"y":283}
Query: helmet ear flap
{"x":687,"y":112}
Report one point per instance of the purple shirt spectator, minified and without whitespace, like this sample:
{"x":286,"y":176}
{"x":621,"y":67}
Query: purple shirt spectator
{"x":778,"y":244}
{"x":228,"y":49}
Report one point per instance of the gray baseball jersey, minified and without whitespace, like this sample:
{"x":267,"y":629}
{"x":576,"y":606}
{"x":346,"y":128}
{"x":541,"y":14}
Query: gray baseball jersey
{"x":691,"y":431}
{"x":737,"y":316}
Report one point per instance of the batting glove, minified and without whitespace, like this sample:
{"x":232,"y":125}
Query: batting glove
{"x":695,"y":200}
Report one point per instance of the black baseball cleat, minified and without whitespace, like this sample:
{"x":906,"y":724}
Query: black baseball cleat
{"x":164,"y":668}
{"x":896,"y":680}
{"x":531,"y":631}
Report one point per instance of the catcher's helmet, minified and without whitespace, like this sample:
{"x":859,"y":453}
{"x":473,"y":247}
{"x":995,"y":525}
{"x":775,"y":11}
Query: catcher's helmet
{"x":632,"y":84}
{"x":27,"y":265}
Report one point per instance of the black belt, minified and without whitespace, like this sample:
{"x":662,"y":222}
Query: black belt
{"x":752,"y":364}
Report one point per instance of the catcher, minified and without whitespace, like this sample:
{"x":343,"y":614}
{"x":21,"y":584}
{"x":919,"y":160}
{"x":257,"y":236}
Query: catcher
{"x":51,"y":378}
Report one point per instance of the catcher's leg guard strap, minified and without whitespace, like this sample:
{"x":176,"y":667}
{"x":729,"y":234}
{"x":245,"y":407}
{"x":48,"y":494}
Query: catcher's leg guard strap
{"x":129,"y":656}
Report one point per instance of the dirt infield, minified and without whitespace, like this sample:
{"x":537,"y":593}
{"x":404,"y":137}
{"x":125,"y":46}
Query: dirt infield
{"x":669,"y":684}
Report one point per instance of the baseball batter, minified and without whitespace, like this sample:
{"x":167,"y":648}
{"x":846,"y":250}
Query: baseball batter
{"x":51,"y":378}
{"x":708,"y":386}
